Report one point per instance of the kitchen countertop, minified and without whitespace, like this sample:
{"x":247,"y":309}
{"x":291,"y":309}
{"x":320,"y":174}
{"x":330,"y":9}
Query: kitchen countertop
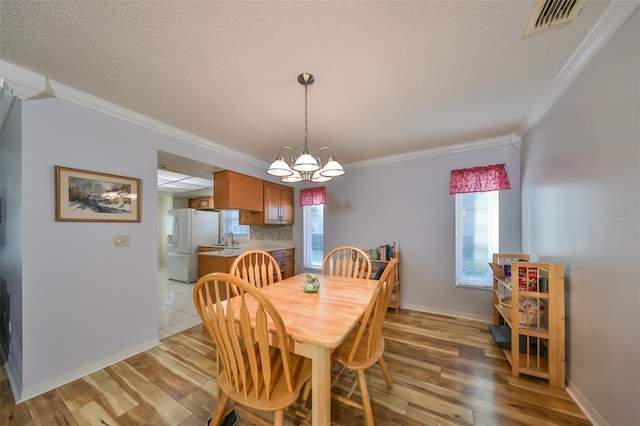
{"x":228,"y":251}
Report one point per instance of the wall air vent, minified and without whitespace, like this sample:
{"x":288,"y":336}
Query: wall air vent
{"x":548,"y":13}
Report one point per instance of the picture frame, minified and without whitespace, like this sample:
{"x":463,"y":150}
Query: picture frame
{"x":88,"y":196}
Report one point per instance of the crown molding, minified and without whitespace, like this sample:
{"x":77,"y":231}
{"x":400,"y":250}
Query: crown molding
{"x":515,"y":141}
{"x":611,"y":20}
{"x":28,"y":85}
{"x":72,"y":95}
{"x":25,"y":84}
{"x":432,"y":152}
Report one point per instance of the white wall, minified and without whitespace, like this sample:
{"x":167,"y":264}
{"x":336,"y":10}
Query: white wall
{"x":83,"y":299}
{"x":409,"y":202}
{"x":11,"y":233}
{"x":84,"y":304}
{"x":581,"y":207}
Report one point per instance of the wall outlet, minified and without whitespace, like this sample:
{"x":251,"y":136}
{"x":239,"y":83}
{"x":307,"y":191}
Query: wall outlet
{"x":121,"y":241}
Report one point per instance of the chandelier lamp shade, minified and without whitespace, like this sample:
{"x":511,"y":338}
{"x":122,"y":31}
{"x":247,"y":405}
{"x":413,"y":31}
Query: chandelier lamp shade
{"x":305,"y":167}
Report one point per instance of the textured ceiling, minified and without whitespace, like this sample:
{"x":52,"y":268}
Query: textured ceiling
{"x":391,"y":77}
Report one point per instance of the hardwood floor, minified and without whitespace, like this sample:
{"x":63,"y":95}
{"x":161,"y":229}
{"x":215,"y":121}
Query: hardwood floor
{"x":446,"y":371}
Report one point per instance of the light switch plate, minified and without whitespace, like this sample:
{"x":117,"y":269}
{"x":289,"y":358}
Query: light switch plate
{"x":121,"y":241}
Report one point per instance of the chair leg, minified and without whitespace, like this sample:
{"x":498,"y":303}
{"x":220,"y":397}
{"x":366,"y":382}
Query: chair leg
{"x":385,"y":372}
{"x":366,"y":401}
{"x":337,"y":376}
{"x":220,"y":411}
{"x":278,"y":418}
{"x":354,"y":383}
{"x":306,"y":392}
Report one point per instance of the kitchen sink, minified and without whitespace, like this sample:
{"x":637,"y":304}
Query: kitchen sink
{"x":231,"y":251}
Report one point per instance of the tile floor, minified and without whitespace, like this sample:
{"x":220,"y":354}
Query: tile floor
{"x":176,"y":311}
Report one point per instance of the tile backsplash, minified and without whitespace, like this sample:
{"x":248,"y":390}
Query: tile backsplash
{"x":272,"y":232}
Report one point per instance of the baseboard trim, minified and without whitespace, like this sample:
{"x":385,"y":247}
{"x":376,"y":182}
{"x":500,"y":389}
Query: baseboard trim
{"x":14,"y":381}
{"x":445,"y":312}
{"x":28,"y":393}
{"x":581,"y":401}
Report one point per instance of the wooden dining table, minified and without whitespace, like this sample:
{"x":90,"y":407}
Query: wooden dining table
{"x":318,"y":323}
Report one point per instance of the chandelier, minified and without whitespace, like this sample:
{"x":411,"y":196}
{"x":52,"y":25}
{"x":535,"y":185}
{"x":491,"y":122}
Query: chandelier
{"x":305,"y":167}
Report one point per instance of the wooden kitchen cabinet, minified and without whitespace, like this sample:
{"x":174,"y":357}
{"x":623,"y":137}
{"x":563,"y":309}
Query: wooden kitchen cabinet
{"x":201,"y":203}
{"x":208,"y":264}
{"x":277,"y":209}
{"x":237,"y":191}
{"x":286,"y":261}
{"x":278,"y":204}
{"x":203,"y":249}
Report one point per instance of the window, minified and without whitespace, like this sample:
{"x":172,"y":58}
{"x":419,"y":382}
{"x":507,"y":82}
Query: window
{"x":477,"y":237}
{"x":230,"y":222}
{"x":313,"y":224}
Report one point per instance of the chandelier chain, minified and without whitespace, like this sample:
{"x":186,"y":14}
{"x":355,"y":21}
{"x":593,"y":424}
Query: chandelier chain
{"x":306,"y":131}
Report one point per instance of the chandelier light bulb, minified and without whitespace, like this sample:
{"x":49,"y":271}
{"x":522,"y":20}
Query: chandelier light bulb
{"x":295,"y":177}
{"x":332,"y":168}
{"x":280,"y":168}
{"x":319,"y":177}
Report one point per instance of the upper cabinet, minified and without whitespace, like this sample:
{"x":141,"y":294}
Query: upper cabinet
{"x":278,"y":204}
{"x":277,"y":209}
{"x":201,"y":203}
{"x":237,"y":191}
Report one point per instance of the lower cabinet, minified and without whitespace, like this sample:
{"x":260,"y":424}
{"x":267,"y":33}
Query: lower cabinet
{"x":203,"y":249}
{"x":208,"y":264}
{"x":286,"y":261}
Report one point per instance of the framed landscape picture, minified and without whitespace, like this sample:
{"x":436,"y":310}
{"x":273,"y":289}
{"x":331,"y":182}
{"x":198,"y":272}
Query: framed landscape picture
{"x":86,"y":196}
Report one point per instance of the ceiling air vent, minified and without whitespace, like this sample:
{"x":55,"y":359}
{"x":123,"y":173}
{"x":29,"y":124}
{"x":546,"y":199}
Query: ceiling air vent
{"x":169,"y":168}
{"x":548,"y":13}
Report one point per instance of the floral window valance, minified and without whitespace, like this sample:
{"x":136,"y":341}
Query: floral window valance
{"x":313,"y":196}
{"x":479,"y":179}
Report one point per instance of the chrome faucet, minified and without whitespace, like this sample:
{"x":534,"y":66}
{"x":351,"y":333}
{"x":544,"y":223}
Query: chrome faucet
{"x":234,"y":243}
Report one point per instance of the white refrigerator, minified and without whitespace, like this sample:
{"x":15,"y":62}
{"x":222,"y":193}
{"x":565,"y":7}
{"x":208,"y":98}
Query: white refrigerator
{"x":186,"y":230}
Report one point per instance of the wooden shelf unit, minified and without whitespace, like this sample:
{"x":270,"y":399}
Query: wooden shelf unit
{"x":537,"y":344}
{"x":394,"y":302}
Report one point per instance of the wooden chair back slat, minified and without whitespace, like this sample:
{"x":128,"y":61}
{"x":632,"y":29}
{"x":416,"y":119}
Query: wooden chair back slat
{"x":347,"y":261}
{"x":257,"y":267}
{"x":244,"y":347}
{"x":370,"y":329}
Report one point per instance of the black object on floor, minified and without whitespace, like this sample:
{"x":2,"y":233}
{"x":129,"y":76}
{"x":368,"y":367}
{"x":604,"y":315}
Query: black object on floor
{"x":230,"y":419}
{"x":502,"y":335}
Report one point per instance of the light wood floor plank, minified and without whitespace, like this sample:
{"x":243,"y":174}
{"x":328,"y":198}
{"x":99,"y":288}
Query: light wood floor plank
{"x":49,"y":409}
{"x":157,"y":399}
{"x":111,"y":392}
{"x":446,"y":371}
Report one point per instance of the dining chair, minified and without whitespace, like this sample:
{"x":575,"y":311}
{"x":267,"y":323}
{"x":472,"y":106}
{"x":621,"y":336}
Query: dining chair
{"x":364,"y":346}
{"x":258,"y":267}
{"x":347,"y":261}
{"x":252,"y":374}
